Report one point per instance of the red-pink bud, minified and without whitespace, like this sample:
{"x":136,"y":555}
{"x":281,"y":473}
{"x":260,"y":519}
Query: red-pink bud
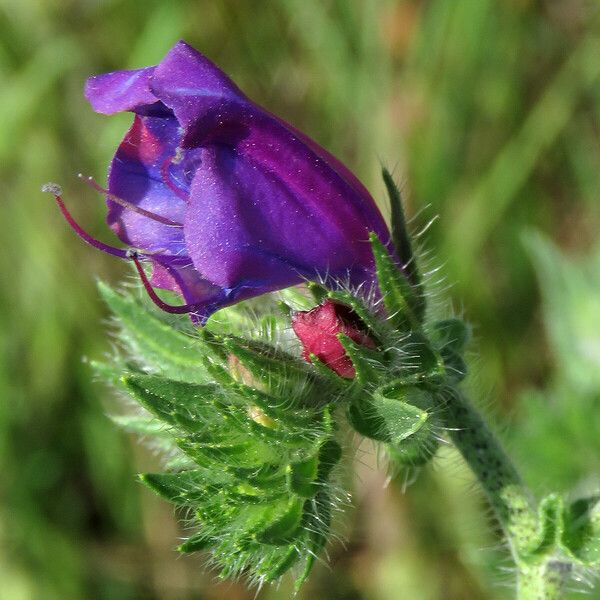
{"x":317,"y":330}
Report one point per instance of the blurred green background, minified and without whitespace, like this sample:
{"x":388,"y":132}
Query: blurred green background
{"x":487,"y":111}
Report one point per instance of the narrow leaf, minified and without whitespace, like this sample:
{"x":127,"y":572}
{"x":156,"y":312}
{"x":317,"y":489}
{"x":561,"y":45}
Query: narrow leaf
{"x":403,"y":303}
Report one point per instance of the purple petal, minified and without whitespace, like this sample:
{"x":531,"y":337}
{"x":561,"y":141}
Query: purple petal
{"x":191,"y":85}
{"x":250,"y":231}
{"x":121,"y":90}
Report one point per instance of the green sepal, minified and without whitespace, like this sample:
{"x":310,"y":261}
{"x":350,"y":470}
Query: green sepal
{"x":317,"y":520}
{"x":377,"y":328}
{"x":581,"y":534}
{"x":366,"y":362}
{"x":317,"y":291}
{"x":274,"y":570}
{"x":279,"y":373}
{"x":415,"y":451}
{"x":450,"y":337}
{"x":390,"y":418}
{"x":278,"y":410}
{"x":404,"y":410}
{"x":403,"y":303}
{"x":330,"y":454}
{"x":400,"y":235}
{"x":184,"y":488}
{"x":455,"y":365}
{"x":453,"y":334}
{"x":285,"y":527}
{"x":337,"y":382}
{"x":246,"y":453}
{"x":302,"y":475}
{"x":421,"y":360}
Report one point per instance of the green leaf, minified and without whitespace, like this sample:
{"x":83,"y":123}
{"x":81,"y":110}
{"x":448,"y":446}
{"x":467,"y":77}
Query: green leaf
{"x":167,"y":350}
{"x":581,"y":536}
{"x":141,"y":425}
{"x":187,"y":487}
{"x":402,"y":302}
{"x":570,"y":299}
{"x":186,"y":405}
{"x":400,"y":235}
{"x":550,"y":527}
{"x":197,"y":542}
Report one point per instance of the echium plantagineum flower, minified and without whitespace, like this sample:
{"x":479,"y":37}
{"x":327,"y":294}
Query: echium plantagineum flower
{"x":224,"y":199}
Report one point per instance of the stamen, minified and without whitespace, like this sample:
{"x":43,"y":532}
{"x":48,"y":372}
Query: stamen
{"x":128,"y":205}
{"x":166,"y":178}
{"x":56,"y":191}
{"x":170,"y":308}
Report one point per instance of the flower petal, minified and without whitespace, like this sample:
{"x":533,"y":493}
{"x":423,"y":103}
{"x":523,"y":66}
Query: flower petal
{"x":250,"y":231}
{"x":121,"y":90}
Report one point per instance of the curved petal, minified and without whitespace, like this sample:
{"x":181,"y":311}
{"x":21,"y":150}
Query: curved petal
{"x":248,"y":231}
{"x":191,"y":85}
{"x":121,"y":90}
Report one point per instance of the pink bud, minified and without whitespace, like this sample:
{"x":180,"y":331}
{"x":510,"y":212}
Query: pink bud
{"x":317,"y":330}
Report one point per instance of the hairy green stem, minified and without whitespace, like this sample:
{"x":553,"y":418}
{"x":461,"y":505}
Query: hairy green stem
{"x":512,"y":502}
{"x":542,"y":582}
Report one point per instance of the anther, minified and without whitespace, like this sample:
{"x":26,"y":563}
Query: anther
{"x":128,"y":205}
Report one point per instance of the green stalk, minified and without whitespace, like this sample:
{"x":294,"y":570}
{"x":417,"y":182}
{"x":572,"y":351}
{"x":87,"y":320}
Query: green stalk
{"x":512,"y":502}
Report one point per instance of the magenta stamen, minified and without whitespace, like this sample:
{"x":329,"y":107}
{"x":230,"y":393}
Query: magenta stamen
{"x":84,"y":235}
{"x":170,"y":308}
{"x":166,"y":177}
{"x":128,"y":205}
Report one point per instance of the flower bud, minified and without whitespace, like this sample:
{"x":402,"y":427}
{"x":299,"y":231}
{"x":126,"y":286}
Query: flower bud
{"x":318,"y":330}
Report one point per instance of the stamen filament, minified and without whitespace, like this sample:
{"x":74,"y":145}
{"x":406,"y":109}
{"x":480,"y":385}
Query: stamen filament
{"x":128,"y":205}
{"x":166,"y":177}
{"x":84,"y":235}
{"x":170,"y":308}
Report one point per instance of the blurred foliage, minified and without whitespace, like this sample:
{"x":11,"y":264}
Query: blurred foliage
{"x":488,"y":113}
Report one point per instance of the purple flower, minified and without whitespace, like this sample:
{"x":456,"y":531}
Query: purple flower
{"x":223,"y":198}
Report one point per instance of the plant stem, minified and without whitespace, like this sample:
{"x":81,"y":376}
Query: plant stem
{"x":542,"y":582}
{"x":512,"y":502}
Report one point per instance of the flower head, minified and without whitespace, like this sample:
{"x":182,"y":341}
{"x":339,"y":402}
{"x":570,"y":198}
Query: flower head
{"x":318,"y":331}
{"x":224,"y":199}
